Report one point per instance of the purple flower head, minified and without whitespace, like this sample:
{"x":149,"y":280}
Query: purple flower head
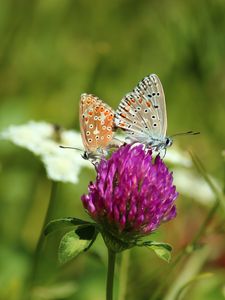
{"x":132,"y":195}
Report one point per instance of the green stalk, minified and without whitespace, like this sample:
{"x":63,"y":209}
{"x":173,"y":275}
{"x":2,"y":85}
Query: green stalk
{"x":40,"y":241}
{"x":46,"y":219}
{"x":110,"y":274}
{"x":123,"y":274}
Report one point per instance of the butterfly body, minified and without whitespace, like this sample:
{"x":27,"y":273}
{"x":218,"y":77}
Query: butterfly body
{"x":142,"y":114}
{"x":96,"y":124}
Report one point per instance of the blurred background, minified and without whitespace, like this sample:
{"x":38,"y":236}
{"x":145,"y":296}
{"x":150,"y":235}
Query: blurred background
{"x":50,"y":53}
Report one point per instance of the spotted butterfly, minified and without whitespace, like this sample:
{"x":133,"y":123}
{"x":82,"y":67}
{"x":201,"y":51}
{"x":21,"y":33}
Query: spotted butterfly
{"x":96,"y":124}
{"x":142,"y":114}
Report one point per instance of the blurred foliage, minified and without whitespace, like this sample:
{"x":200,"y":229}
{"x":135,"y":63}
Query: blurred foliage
{"x":51,"y":51}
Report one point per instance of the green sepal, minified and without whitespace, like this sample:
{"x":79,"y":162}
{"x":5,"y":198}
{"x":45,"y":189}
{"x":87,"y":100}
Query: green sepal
{"x":162,"y":250}
{"x":75,"y":242}
{"x":115,"y":244}
{"x":63,"y":222}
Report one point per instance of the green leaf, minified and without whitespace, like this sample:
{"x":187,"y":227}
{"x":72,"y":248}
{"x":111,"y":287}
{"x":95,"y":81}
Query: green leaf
{"x":70,"y":246}
{"x":162,"y":250}
{"x":63,"y":222}
{"x":87,"y":232}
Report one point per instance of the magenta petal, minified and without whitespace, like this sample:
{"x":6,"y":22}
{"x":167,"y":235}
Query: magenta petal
{"x":133,"y":194}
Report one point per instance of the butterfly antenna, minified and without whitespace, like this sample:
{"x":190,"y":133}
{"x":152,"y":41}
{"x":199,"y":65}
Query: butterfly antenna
{"x":186,"y":133}
{"x":65,"y":147}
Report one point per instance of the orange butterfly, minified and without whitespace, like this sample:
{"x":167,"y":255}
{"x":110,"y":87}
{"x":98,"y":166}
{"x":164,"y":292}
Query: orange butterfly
{"x":96,"y":124}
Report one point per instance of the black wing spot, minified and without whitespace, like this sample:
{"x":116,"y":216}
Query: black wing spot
{"x":150,"y":96}
{"x":155,"y":124}
{"x":153,"y":116}
{"x":146,"y":110}
{"x":153,"y":94}
{"x":158,"y":94}
{"x":156,"y":106}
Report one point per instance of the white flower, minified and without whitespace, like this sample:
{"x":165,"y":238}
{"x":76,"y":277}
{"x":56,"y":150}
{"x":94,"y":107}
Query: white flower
{"x":178,"y":157}
{"x":43,"y":139}
{"x":191,"y":185}
{"x":30,"y":136}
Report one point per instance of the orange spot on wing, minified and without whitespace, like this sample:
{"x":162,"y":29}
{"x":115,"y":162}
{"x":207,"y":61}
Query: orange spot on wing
{"x":109,"y":118}
{"x":148,"y":103}
{"x":101,"y":109}
{"x":133,"y":100}
{"x":140,"y":100}
{"x":123,"y":115}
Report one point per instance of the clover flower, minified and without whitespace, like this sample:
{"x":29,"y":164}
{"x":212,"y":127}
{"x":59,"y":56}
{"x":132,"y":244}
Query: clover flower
{"x":132,"y":195}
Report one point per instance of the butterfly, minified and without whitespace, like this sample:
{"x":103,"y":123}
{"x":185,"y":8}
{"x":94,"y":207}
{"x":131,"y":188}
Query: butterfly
{"x":142,"y":115}
{"x":97,"y":125}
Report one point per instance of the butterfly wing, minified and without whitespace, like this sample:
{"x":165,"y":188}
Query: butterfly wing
{"x":142,"y":113}
{"x":96,"y":122}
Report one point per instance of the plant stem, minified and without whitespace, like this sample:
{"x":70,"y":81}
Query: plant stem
{"x":123,"y":274}
{"x":110,"y":274}
{"x":206,"y":222}
{"x":40,"y":241}
{"x":46,"y":219}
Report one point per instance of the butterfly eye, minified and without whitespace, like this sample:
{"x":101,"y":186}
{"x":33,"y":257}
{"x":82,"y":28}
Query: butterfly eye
{"x":169,"y":142}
